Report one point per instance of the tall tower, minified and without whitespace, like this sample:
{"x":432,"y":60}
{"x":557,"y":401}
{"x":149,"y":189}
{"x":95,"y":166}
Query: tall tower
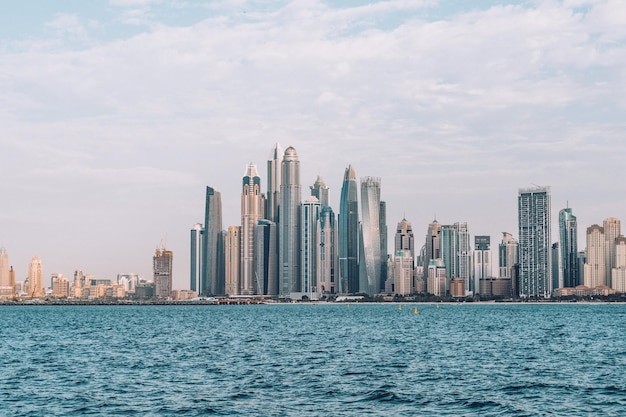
{"x":535,"y":271}
{"x":309,"y":245}
{"x":5,"y":275}
{"x":274,"y":168}
{"x":612,"y":229}
{"x":595,"y":268}
{"x":195,"y":261}
{"x":482,"y":260}
{"x":232,"y":260}
{"x":384,"y":248}
{"x":251,"y":209}
{"x":212,"y":281}
{"x":35,"y":277}
{"x":404,"y":239}
{"x":568,"y":250}
{"x":266,"y":258}
{"x":432,"y":246}
{"x":320,"y":191}
{"x":507,"y":251}
{"x":327,"y":252}
{"x":289,"y":224}
{"x":349,"y":234}
{"x":370,"y":208}
{"x":162,"y":268}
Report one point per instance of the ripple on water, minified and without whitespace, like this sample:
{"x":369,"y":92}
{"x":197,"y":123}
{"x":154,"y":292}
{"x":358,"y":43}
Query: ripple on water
{"x":305,"y":360}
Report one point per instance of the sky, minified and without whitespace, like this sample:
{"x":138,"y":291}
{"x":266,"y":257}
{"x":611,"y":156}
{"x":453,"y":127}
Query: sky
{"x":115,"y":115}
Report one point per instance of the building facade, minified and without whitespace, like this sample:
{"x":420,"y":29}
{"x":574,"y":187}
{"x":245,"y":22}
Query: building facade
{"x":568,"y":250}
{"x":370,"y":209}
{"x":252,"y":206}
{"x":348,"y":234}
{"x":535,"y":266}
{"x":162,"y":269}
{"x":289,"y":224}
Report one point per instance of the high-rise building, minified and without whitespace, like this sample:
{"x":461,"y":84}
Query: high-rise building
{"x":232,"y":258}
{"x":6,"y":289}
{"x":195,"y":267}
{"x":404,"y":239}
{"x":437,"y":283}
{"x":35,"y":278}
{"x":535,"y":273}
{"x":456,"y":252}
{"x":327,"y":252}
{"x":60,"y":285}
{"x":349,"y":234}
{"x":251,"y":213}
{"x":289,"y":224}
{"x":403,"y":273}
{"x":568,"y":250}
{"x":612,"y":229}
{"x":162,"y":268}
{"x":212,"y":279}
{"x":618,"y":274}
{"x":595,"y":268}
{"x":274,"y":168}
{"x":482,"y":260}
{"x":370,"y":210}
{"x":309,"y":247}
{"x":507,"y":251}
{"x":319,"y":190}
{"x":384,"y":248}
{"x":432,"y":246}
{"x":266,"y":258}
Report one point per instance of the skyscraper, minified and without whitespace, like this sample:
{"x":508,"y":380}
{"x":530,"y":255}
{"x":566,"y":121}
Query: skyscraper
{"x":289,"y":224}
{"x":595,"y":268}
{"x":212,"y":280}
{"x":507,"y":251}
{"x":403,"y":272}
{"x":568,"y":250}
{"x":195,"y":264}
{"x":35,"y":278}
{"x":232,"y":260}
{"x":309,"y":247}
{"x":274,"y":168}
{"x":612,"y":229}
{"x":384,"y":247}
{"x":370,"y":209}
{"x":251,"y":212}
{"x":432,"y":246}
{"x":349,"y":234}
{"x":320,"y":191}
{"x":162,"y":268}
{"x":618,"y":274}
{"x":456,"y":252}
{"x":482,"y":260}
{"x":266,"y":258}
{"x":5,"y":276}
{"x":327,"y":252}
{"x":404,"y":239}
{"x":535,"y":274}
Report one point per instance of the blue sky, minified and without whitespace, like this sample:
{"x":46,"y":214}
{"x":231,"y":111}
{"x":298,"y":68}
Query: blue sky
{"x":115,"y":115}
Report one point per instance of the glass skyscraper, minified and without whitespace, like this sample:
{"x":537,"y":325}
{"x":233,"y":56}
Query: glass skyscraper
{"x":349,"y":234}
{"x":568,"y":250}
{"x":212,"y":280}
{"x":535,"y":267}
{"x":370,"y":209}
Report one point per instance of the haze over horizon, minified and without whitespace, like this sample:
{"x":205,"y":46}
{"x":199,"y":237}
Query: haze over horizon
{"x":115,"y":115}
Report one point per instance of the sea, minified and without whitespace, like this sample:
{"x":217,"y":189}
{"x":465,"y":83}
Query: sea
{"x":529,"y":359}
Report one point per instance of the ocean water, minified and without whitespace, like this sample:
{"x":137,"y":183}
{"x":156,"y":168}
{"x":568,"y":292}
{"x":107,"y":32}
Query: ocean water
{"x":314,"y":360}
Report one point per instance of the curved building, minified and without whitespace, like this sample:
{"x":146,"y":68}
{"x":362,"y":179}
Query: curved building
{"x":370,"y":208}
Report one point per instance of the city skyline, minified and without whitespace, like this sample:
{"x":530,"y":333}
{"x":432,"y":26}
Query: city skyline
{"x":116,"y":116}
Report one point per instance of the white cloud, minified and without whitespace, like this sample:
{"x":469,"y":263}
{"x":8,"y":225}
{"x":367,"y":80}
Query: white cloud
{"x":486,"y":100}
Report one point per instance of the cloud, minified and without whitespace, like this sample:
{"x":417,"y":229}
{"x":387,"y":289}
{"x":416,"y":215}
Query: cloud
{"x":447,"y":109}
